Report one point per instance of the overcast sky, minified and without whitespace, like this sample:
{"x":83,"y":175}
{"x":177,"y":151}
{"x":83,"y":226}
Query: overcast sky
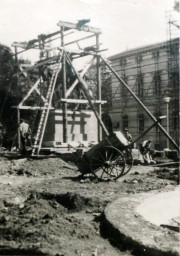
{"x":125,"y":23}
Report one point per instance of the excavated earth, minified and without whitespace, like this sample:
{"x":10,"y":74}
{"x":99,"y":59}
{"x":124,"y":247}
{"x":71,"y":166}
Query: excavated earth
{"x":46,"y":208}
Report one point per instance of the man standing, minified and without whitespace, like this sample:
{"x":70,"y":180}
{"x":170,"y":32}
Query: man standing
{"x":24,"y":133}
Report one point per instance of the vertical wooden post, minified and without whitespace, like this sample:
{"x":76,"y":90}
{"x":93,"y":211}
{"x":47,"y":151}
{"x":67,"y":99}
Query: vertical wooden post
{"x":18,"y":110}
{"x":64,"y":104}
{"x":15,"y":51}
{"x":18,"y":130}
{"x":98,"y":86}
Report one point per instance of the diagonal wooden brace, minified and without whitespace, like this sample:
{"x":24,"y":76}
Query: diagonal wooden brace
{"x":86,"y":93}
{"x":82,"y":74}
{"x":29,"y":92}
{"x":141,"y":103}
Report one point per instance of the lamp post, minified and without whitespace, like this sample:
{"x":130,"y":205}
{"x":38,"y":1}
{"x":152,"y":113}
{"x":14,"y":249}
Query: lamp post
{"x":167,"y":100}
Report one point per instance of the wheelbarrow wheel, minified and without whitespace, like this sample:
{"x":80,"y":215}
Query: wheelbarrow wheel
{"x":107,"y":163}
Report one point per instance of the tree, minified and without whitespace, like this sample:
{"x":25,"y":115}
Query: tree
{"x":6,"y":69}
{"x":11,"y":90}
{"x":106,"y":90}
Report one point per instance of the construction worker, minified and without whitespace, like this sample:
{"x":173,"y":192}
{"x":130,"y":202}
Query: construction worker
{"x":127,"y":135}
{"x":107,"y":121}
{"x":147,"y":152}
{"x":24,"y":133}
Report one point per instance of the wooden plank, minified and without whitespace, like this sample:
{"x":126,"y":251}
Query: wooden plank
{"x":83,"y":101}
{"x":83,"y":28}
{"x":166,"y":164}
{"x":20,"y":44}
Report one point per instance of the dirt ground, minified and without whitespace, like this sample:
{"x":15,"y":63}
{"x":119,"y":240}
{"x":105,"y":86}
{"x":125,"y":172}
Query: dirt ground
{"x":46,"y":208}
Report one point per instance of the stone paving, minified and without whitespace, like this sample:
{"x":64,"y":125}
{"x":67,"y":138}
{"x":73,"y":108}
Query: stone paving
{"x":128,"y":227}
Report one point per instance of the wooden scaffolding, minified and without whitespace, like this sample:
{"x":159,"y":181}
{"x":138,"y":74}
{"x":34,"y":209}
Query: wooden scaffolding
{"x":57,"y":66}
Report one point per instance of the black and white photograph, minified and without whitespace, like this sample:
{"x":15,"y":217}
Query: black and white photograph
{"x":89,"y":128}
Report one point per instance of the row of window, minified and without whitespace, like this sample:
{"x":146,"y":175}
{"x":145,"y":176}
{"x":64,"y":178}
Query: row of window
{"x":140,"y":84}
{"x":125,"y":122}
{"x":141,"y":122}
{"x":172,"y":50}
{"x":138,"y":58}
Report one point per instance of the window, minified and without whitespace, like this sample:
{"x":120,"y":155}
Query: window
{"x":139,"y":59}
{"x":125,"y":122}
{"x":175,"y":120}
{"x":173,"y":48}
{"x":174,"y":78}
{"x":157,"y":83}
{"x":155,"y":55}
{"x":116,"y":125}
{"x":141,"y":122}
{"x":140,"y":89}
{"x":123,"y":62}
{"x":124,"y":90}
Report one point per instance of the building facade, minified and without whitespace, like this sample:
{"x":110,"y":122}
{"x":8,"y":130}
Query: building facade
{"x":152,"y":73}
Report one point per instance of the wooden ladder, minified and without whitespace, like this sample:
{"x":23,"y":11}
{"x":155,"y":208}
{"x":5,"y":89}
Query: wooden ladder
{"x":45,"y":112}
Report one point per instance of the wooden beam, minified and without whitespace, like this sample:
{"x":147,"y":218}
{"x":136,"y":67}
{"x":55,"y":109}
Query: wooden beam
{"x":38,"y":92}
{"x":140,"y":103}
{"x":84,"y":86}
{"x":74,"y":26}
{"x":98,"y":68}
{"x":18,"y":130}
{"x":31,"y":107}
{"x":29,"y":92}
{"x":76,"y":81}
{"x":83,"y":101}
{"x":64,"y":88}
{"x":23,"y":71}
{"x":39,"y":64}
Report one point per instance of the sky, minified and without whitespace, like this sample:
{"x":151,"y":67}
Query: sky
{"x":125,"y":24}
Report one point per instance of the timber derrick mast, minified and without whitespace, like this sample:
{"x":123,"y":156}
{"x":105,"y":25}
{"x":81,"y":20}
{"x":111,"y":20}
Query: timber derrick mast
{"x":59,"y":84}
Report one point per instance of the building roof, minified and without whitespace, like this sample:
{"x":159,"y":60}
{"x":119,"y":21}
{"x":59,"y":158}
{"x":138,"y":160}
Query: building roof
{"x":143,"y":49}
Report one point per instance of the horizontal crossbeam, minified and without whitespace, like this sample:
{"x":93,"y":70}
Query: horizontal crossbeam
{"x":31,"y":107}
{"x":83,"y":101}
{"x":74,"y":26}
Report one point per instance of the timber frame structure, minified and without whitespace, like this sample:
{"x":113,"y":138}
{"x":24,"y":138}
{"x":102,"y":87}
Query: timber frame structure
{"x":57,"y":65}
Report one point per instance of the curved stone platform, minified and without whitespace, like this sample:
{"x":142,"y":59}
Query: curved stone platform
{"x":127,"y":227}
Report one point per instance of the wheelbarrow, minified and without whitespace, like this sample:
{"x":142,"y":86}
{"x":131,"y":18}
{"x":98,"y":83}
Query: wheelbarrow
{"x":111,"y":158}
